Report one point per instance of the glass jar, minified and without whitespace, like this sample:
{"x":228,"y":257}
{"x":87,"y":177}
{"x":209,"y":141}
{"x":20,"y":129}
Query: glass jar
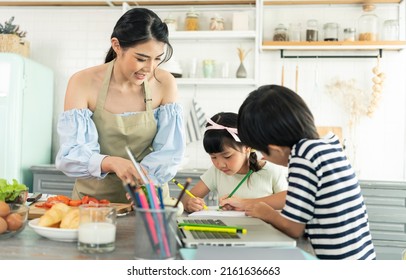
{"x":391,"y":30}
{"x":349,"y":34}
{"x":330,"y":31}
{"x":281,"y":33}
{"x":171,"y":23}
{"x":312,"y":30}
{"x":295,"y":30}
{"x":368,"y":24}
{"x":192,"y":21}
{"x":217,"y":23}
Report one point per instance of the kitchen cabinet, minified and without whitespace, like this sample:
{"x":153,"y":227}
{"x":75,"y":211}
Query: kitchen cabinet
{"x":286,"y":12}
{"x":386,"y":206}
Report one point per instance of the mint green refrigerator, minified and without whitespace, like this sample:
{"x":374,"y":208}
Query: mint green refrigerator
{"x":26,"y":106}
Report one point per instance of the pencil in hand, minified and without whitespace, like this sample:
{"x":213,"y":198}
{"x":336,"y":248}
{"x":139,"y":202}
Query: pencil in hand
{"x":187,"y":191}
{"x":239,"y":185}
{"x":188,"y":181}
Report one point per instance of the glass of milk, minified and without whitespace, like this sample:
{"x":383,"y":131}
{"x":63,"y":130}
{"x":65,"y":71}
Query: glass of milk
{"x":97,"y":228}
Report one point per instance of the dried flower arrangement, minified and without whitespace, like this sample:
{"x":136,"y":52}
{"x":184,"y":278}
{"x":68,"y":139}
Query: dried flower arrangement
{"x":242,"y":54}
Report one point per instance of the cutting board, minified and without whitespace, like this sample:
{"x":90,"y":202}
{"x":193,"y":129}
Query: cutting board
{"x":36,"y":212}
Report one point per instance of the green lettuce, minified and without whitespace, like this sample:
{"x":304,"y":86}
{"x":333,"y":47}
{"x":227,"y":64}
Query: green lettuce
{"x":9,"y":192}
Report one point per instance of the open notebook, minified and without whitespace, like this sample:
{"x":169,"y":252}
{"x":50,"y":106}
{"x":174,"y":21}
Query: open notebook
{"x":259,"y":233}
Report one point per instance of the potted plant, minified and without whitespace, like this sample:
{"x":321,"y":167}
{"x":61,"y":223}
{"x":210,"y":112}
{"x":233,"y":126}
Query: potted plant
{"x":12,"y":38}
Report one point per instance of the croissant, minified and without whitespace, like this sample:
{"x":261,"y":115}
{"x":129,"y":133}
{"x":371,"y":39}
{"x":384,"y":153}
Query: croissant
{"x":54,"y":216}
{"x":71,"y":219}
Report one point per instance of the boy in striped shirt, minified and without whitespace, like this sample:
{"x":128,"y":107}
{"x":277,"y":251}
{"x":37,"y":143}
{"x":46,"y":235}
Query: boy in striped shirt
{"x":324,"y":201}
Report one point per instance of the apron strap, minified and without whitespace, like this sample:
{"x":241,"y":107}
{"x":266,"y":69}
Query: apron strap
{"x":147,"y":96}
{"x":101,"y":99}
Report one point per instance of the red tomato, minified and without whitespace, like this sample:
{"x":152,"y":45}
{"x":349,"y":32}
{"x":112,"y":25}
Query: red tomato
{"x":104,"y":201}
{"x":93,"y":200}
{"x":75,"y":202}
{"x":85,"y":199}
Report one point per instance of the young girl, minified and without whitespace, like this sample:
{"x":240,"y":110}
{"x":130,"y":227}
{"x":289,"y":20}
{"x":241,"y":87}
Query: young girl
{"x":324,"y":200}
{"x":232,"y":160}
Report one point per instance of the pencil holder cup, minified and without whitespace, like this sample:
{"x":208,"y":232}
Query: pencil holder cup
{"x":155,"y":233}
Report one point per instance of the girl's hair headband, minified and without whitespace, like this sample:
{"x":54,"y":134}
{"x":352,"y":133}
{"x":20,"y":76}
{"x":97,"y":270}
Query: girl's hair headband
{"x":231,"y":130}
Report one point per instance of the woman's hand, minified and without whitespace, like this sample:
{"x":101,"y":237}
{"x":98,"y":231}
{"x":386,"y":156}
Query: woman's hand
{"x":194,"y":204}
{"x":123,"y":168}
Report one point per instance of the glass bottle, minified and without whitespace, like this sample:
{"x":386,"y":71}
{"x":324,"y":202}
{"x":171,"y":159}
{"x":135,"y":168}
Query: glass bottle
{"x":281,"y":33}
{"x":312,"y":31}
{"x":330,"y":31}
{"x":349,"y":34}
{"x":192,"y":20}
{"x":295,"y":30}
{"x":391,"y":30}
{"x":216,"y":23}
{"x":368,"y":24}
{"x":171,"y":23}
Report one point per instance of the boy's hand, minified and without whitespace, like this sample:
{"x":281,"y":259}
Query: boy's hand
{"x":259,"y":210}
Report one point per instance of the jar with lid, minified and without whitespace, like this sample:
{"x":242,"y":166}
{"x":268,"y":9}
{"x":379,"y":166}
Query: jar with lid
{"x":171,"y":23}
{"x":295,"y":30}
{"x":281,"y":33}
{"x":349,"y":34}
{"x":192,"y":20}
{"x":312,"y":30}
{"x":368,"y":24}
{"x":330,"y":30}
{"x":217,"y":23}
{"x":391,"y":30}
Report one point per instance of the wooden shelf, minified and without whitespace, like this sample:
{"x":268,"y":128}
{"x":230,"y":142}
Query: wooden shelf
{"x":218,"y":81}
{"x":212,"y":35}
{"x":331,"y":2}
{"x":338,"y":45}
{"x":119,"y":3}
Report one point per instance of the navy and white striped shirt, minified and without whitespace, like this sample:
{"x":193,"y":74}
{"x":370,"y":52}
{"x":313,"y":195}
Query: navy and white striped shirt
{"x":324,"y":194}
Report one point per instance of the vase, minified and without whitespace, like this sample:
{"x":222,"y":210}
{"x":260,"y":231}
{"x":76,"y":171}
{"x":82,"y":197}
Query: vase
{"x":241,"y":71}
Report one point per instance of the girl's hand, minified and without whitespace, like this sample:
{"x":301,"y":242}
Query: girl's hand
{"x":232,"y":203}
{"x":259,"y":210}
{"x":194,"y":204}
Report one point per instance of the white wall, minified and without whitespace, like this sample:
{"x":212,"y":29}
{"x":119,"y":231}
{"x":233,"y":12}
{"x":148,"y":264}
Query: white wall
{"x":70,"y":39}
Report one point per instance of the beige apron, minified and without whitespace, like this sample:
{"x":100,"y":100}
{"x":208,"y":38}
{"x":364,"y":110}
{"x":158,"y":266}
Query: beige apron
{"x":115,"y":132}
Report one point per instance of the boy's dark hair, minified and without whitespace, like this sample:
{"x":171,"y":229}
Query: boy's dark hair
{"x":274,"y":115}
{"x":137,"y":26}
{"x":215,"y":140}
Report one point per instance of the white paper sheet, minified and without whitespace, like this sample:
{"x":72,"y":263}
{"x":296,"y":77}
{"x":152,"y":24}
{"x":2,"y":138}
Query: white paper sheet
{"x":215,"y":211}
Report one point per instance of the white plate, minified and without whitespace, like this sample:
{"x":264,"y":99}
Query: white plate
{"x":57,"y":234}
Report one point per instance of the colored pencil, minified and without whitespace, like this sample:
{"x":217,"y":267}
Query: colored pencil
{"x":188,"y":181}
{"x":239,"y":184}
{"x":187,"y":191}
{"x":215,"y":229}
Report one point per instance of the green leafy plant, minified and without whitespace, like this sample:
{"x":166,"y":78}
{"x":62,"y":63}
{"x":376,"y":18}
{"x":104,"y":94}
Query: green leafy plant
{"x":10,"y":192}
{"x":10,"y":28}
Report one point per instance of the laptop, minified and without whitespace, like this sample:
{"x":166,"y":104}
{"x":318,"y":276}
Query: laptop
{"x":259,"y":233}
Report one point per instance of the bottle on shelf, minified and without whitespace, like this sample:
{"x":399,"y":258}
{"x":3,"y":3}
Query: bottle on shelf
{"x":192,"y":20}
{"x":217,"y":22}
{"x":368,"y":24}
{"x":390,"y":30}
{"x":295,"y":30}
{"x":330,"y":30}
{"x":312,"y":31}
{"x":349,"y":34}
{"x":281,"y":33}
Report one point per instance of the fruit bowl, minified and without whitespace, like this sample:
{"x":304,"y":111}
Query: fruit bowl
{"x":15,"y":221}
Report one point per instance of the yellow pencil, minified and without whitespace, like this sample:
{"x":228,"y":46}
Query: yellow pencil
{"x":215,"y":229}
{"x":187,"y":191}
